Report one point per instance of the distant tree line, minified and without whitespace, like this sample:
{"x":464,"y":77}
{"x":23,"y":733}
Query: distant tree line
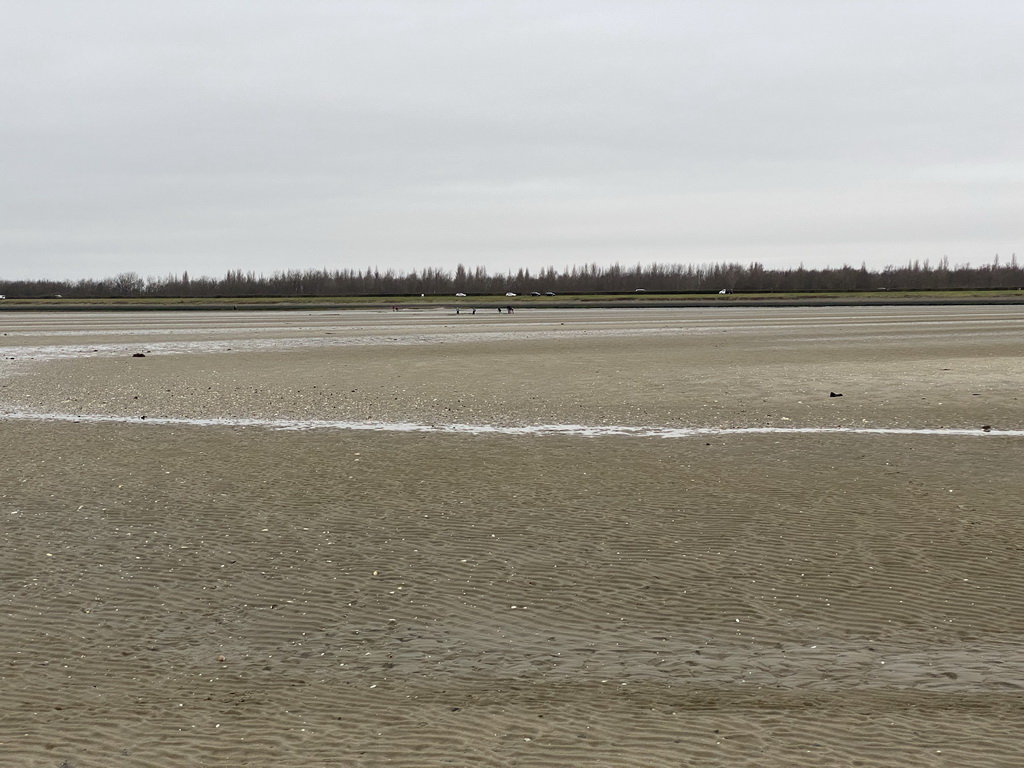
{"x":588,"y":278}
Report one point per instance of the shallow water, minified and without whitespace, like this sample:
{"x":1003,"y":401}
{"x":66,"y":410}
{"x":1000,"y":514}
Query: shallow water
{"x":580,"y":430}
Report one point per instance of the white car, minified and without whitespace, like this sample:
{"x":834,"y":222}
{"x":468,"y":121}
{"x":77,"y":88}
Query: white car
{"x":460,"y":295}
{"x":510,"y":294}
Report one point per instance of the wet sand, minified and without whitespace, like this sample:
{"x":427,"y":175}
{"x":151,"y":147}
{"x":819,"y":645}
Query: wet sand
{"x":238,"y":595}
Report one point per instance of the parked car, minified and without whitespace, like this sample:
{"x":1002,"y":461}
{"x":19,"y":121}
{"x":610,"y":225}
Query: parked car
{"x":510,"y":294}
{"x":460,"y":295}
{"x":550,"y":293}
{"x":534,"y":293}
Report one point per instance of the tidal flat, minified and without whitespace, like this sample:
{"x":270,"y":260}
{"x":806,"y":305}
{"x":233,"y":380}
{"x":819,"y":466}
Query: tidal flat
{"x":659,"y":537}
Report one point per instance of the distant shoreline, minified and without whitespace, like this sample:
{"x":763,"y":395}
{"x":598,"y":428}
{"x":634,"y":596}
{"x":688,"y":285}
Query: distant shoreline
{"x":590,"y":301}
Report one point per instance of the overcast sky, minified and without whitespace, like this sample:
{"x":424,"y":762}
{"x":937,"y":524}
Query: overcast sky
{"x":265,"y":135}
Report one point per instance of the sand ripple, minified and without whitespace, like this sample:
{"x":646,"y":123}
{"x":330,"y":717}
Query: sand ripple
{"x":187,"y":595}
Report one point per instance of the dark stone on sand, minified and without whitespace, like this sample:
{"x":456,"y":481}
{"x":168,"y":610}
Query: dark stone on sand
{"x":138,"y":354}
{"x":835,"y":394}
{"x":987,"y":428}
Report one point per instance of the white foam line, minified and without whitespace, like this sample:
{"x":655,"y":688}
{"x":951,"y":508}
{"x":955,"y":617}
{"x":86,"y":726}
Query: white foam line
{"x":489,"y":429}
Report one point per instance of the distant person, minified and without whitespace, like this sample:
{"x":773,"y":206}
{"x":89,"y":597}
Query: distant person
{"x":509,"y":308}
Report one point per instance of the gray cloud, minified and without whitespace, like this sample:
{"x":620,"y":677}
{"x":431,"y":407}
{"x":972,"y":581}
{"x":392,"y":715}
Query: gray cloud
{"x":262,"y":135}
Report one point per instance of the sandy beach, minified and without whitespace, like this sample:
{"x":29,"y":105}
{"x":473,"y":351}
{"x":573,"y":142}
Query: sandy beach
{"x":590,"y":538}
